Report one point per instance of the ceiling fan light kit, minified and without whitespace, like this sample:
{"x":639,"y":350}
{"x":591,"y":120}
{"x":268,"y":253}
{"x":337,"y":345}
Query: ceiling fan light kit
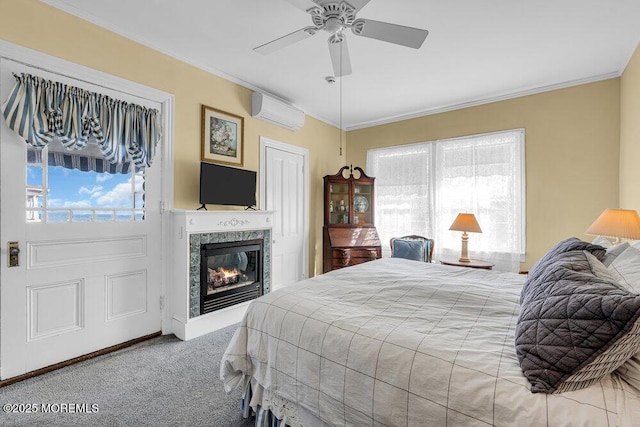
{"x":334,"y":17}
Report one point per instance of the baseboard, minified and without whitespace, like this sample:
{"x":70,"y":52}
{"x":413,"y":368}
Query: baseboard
{"x":210,"y":322}
{"x":82,"y":358}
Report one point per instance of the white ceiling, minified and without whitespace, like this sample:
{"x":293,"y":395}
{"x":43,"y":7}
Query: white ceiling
{"x":476,"y":52}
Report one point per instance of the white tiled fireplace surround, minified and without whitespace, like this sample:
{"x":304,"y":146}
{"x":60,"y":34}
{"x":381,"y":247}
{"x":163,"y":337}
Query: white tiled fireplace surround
{"x":193,"y":228}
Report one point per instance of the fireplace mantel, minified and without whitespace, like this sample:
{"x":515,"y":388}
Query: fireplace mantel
{"x":212,"y":221}
{"x":189,"y":228}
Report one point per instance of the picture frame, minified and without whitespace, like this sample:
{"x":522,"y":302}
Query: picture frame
{"x":222,"y":137}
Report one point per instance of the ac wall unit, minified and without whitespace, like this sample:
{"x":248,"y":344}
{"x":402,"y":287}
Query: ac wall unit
{"x":272,"y":110}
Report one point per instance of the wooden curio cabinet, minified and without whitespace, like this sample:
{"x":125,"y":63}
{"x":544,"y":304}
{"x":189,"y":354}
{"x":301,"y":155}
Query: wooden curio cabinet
{"x":348,"y":201}
{"x":350,"y":236}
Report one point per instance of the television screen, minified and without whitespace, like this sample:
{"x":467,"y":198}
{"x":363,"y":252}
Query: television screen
{"x":222,"y":185}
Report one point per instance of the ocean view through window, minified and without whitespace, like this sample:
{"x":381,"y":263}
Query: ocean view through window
{"x":81,"y":186}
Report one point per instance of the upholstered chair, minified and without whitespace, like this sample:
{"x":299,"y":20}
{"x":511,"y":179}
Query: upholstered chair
{"x":417,"y":248}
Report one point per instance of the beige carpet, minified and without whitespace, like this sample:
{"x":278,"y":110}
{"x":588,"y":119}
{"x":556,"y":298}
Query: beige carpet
{"x":160,"y":382}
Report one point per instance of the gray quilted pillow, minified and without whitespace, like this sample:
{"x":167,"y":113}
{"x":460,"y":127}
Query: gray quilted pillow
{"x":570,"y":244}
{"x":576,"y":324}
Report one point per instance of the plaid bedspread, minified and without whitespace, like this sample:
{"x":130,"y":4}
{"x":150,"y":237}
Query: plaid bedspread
{"x":403,"y":343}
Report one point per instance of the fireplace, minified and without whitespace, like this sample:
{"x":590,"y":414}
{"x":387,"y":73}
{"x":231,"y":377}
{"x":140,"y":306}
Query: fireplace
{"x":192,"y":232}
{"x":230,"y":273}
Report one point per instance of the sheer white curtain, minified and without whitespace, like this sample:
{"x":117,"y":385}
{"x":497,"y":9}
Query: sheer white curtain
{"x":403,"y":191}
{"x":421,"y":188}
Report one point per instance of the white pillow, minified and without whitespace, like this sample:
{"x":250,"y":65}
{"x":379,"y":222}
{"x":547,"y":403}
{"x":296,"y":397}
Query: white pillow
{"x":613,"y":252}
{"x":602,"y":241}
{"x":626,"y":269}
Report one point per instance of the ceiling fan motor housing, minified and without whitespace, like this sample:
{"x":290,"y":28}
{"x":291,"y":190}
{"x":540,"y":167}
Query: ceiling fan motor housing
{"x":333,"y":17}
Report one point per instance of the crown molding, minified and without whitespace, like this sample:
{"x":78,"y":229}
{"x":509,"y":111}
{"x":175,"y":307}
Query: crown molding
{"x":485,"y":100}
{"x":60,"y":4}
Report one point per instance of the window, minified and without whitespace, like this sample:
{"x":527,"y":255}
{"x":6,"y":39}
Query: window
{"x":81,"y":186}
{"x":420,"y":189}
{"x":82,"y":148}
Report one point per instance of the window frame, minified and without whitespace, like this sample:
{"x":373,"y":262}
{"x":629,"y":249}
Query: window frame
{"x":40,"y":214}
{"x":433,"y":184}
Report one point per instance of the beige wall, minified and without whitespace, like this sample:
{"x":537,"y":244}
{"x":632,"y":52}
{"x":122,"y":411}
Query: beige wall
{"x":572,"y":135}
{"x":35,"y":25}
{"x":572,"y":153}
{"x":630,"y":134}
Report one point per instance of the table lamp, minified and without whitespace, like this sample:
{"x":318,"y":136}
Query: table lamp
{"x":616,"y":223}
{"x":465,"y":222}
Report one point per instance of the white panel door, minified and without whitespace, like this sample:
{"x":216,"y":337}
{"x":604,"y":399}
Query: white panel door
{"x":80,"y":287}
{"x":285,"y":192}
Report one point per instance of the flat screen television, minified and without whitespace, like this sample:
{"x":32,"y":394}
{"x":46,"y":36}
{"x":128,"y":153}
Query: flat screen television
{"x":223,"y":185}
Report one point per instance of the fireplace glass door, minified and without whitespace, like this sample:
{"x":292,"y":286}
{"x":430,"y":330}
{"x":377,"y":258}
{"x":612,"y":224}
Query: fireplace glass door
{"x":230,"y":273}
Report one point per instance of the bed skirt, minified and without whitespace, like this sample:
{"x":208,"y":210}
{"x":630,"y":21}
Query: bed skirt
{"x":264,"y":417}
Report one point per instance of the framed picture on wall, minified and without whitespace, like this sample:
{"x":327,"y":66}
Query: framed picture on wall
{"x":222,"y":137}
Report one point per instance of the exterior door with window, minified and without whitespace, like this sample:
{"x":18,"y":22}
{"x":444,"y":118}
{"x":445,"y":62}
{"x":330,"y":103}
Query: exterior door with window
{"x":89,"y":267}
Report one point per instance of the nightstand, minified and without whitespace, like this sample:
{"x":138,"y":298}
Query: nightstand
{"x":474,"y":263}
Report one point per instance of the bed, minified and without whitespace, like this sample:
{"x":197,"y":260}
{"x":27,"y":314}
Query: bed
{"x":403,"y":343}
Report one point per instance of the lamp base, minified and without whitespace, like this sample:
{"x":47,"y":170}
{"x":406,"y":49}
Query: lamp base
{"x":464,"y":256}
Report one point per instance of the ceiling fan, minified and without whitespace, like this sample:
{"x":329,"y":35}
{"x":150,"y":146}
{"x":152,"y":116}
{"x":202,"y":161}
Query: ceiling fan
{"x":336,"y":16}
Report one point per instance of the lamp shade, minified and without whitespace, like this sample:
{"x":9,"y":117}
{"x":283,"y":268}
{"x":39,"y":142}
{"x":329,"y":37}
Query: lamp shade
{"x":466,"y":222}
{"x":623,"y":223}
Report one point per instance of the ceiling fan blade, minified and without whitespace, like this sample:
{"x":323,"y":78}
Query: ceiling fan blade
{"x":303,"y":5}
{"x":339,"y":55}
{"x":287,"y":40}
{"x":357,"y":4}
{"x":392,"y":33}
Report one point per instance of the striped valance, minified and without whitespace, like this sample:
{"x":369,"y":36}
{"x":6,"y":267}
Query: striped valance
{"x":89,"y":159}
{"x":41,"y":110}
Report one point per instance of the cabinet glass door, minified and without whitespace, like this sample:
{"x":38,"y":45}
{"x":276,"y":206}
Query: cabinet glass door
{"x":362,"y":204}
{"x":339,"y":203}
